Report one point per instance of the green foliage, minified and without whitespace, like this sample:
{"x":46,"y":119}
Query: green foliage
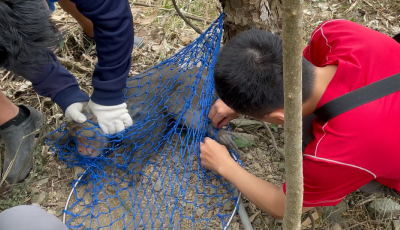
{"x":242,"y":143}
{"x":40,"y":162}
{"x":273,"y":127}
{"x":187,"y":139}
{"x":16,"y":196}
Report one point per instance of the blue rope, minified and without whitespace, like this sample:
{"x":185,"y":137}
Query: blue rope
{"x":173,"y":190}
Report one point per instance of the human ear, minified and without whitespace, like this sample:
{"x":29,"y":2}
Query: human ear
{"x":278,"y":114}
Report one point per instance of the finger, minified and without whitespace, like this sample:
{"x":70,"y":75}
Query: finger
{"x":207,"y":139}
{"x":127,"y":120}
{"x":217,"y":119}
{"x":224,"y":122}
{"x":78,"y":117}
{"x":119,"y":126}
{"x":212,"y":112}
{"x":104,"y":128}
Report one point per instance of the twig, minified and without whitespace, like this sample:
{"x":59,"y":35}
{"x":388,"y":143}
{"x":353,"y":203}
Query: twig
{"x":351,"y":7}
{"x":218,"y":6}
{"x":73,"y":65}
{"x":49,"y":205}
{"x":351,"y":227}
{"x":16,"y":184}
{"x":219,"y":9}
{"x":366,"y":201}
{"x":8,"y":73}
{"x":185,"y":19}
{"x":312,"y":219}
{"x":273,"y":139}
{"x":165,"y":9}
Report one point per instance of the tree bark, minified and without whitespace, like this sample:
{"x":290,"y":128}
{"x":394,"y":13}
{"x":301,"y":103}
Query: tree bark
{"x":292,"y":35}
{"x":242,"y":15}
{"x":272,"y":15}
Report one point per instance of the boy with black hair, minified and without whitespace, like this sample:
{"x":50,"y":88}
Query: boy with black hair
{"x":27,"y":37}
{"x":356,"y":150}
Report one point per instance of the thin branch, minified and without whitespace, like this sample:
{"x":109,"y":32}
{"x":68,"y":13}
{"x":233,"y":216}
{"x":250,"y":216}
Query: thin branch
{"x":273,"y":139}
{"x":353,"y":226}
{"x":312,"y":219}
{"x":74,"y":65}
{"x":292,"y":33}
{"x":165,"y":9}
{"x":5,"y":76}
{"x":185,"y":19}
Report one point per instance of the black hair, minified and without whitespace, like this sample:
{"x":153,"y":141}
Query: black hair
{"x":248,"y":73}
{"x":27,"y":36}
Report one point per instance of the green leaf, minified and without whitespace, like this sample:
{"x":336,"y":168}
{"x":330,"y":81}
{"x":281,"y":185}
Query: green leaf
{"x":183,"y":135}
{"x":242,"y":143}
{"x":273,"y":127}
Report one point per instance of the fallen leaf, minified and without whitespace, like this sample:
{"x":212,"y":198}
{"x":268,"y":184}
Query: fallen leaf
{"x":157,"y":48}
{"x":186,"y":41}
{"x":147,"y":20}
{"x":241,"y":142}
{"x":273,"y":127}
{"x":142,"y":32}
{"x":252,"y":217}
{"x":87,"y":57}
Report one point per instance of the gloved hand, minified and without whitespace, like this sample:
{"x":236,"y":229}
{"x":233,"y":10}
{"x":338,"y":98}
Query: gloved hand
{"x":74,"y":112}
{"x":111,"y":119}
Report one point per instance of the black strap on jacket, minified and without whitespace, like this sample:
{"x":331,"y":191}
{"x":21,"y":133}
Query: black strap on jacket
{"x":359,"y":96}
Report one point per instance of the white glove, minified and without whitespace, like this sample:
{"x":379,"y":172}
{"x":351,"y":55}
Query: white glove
{"x":111,"y":119}
{"x":74,"y":112}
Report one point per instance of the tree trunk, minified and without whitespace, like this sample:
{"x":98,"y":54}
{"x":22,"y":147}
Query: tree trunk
{"x":268,"y":15}
{"x":242,"y":15}
{"x":292,"y":35}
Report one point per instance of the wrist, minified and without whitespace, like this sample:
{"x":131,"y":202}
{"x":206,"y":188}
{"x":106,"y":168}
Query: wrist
{"x":69,"y":96}
{"x":107,"y":98}
{"x":226,"y":166}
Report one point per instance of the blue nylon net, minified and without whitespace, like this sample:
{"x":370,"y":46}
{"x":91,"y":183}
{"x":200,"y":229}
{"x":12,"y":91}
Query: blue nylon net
{"x":150,"y":176}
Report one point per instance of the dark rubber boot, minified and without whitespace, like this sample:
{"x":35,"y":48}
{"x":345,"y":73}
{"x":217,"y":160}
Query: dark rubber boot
{"x":16,"y":144}
{"x":137,"y":42}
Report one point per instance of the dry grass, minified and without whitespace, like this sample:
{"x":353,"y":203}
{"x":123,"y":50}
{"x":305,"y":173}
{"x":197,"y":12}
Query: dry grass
{"x":164,"y":33}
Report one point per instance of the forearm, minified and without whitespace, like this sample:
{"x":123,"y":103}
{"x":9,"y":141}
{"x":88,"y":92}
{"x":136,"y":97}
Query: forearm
{"x":113,"y":31}
{"x":56,"y":82}
{"x":260,"y":192}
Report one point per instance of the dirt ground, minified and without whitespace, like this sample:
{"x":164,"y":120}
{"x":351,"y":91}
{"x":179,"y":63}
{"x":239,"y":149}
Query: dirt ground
{"x":164,"y":34}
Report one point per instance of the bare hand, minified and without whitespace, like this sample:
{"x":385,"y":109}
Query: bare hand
{"x":214,"y":156}
{"x":220,"y":114}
